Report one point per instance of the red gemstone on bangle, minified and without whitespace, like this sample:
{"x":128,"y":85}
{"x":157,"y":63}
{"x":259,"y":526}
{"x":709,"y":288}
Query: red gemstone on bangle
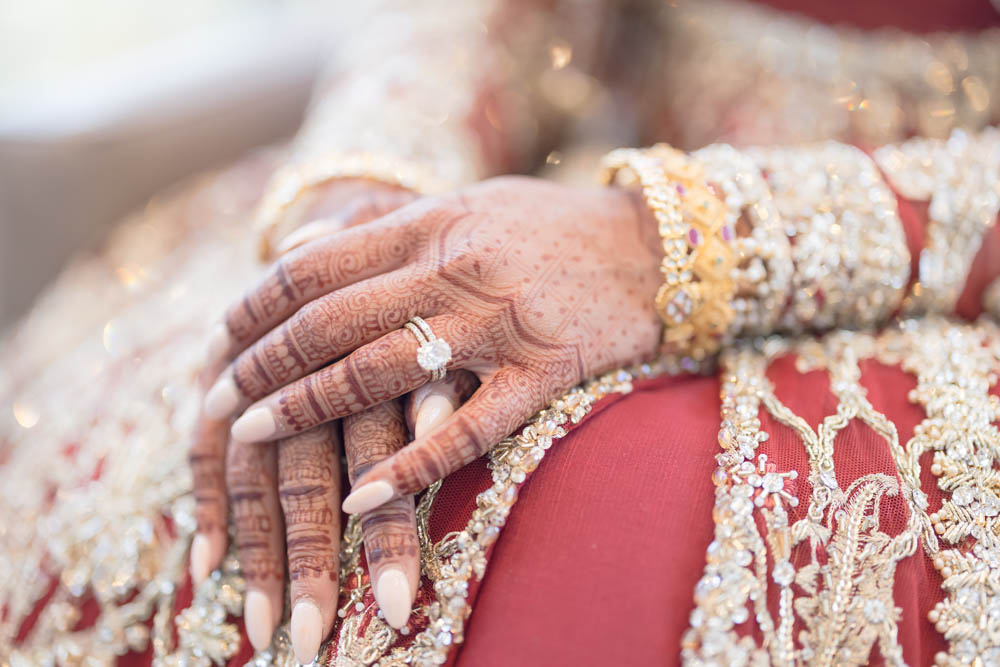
{"x":727,"y":233}
{"x":694,"y":236}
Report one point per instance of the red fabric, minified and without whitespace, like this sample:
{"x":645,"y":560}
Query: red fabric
{"x":599,"y":560}
{"x":920,"y":16}
{"x":600,"y":555}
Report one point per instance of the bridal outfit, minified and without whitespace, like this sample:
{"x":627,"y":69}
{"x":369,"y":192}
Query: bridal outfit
{"x":819,"y":483}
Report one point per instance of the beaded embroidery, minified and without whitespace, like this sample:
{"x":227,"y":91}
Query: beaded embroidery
{"x":961,"y":178}
{"x":844,"y":600}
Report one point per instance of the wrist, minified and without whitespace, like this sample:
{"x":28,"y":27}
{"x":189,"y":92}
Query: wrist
{"x":698,"y":260}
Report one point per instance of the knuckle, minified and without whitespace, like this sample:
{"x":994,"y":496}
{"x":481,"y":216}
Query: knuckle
{"x":386,"y":520}
{"x":314,"y":564}
{"x":305,"y":544}
{"x":248,"y":374}
{"x":239,"y":321}
{"x":325,"y":327}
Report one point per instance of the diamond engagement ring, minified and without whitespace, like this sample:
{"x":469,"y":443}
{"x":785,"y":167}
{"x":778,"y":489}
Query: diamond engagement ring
{"x":434,"y":353}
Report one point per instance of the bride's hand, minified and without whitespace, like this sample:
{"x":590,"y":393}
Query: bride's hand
{"x":535,"y":287}
{"x":337,"y":206}
{"x":255,"y":473}
{"x":285,"y":498}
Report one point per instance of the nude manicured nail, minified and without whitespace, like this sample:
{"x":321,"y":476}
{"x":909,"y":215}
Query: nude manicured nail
{"x":392,"y":592}
{"x":222,"y":399}
{"x":200,"y":559}
{"x":255,"y":425}
{"x":306,"y":630}
{"x":432,"y":411}
{"x":257,"y":617}
{"x":368,"y":497}
{"x":207,"y":551}
{"x":219,"y":342}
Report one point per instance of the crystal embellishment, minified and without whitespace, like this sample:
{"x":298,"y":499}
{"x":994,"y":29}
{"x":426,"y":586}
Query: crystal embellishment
{"x":434,"y":355}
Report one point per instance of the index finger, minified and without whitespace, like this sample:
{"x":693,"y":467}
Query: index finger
{"x":313,"y":270}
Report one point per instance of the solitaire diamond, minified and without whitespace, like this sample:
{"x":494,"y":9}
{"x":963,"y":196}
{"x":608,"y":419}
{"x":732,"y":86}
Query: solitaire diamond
{"x":434,"y":355}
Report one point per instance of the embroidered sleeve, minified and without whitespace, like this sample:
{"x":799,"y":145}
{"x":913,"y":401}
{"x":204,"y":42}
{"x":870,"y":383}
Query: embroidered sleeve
{"x":438,"y":96}
{"x":768,"y":240}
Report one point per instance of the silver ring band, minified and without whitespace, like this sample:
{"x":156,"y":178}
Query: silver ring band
{"x":434,"y":353}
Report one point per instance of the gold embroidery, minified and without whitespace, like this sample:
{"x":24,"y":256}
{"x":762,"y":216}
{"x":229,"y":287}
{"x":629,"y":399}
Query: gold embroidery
{"x":204,"y":635}
{"x":845,"y":599}
{"x":848,"y":244}
{"x":95,"y":475}
{"x":961,"y":178}
{"x":955,"y":367}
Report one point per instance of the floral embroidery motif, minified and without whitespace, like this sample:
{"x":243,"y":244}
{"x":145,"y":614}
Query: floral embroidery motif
{"x":956,"y":367}
{"x":840,"y":562}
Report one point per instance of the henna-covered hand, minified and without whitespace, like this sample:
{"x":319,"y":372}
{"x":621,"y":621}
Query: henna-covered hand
{"x":390,"y":531}
{"x":309,"y":489}
{"x":251,"y":477}
{"x":535,"y":286}
{"x":308,"y":486}
{"x":337,"y":206}
{"x":286,"y":499}
{"x":207,"y":458}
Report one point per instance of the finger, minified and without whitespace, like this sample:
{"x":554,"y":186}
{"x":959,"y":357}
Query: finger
{"x":316,"y":269}
{"x":207,"y":460}
{"x":345,"y":203}
{"x":319,"y":332}
{"x":434,"y":402}
{"x":372,"y":374}
{"x":501,"y":404}
{"x":309,"y":488}
{"x":309,"y":232}
{"x":251,"y":476}
{"x":389,"y":531}
{"x":367,"y":201}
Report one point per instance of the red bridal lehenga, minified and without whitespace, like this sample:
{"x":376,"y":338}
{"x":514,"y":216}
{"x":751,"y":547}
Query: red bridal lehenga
{"x":803,"y":499}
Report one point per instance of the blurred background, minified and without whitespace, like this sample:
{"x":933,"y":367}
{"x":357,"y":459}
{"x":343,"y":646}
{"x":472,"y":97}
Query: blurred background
{"x":105,"y":102}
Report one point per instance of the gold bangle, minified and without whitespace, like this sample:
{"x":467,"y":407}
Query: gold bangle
{"x":290,"y":183}
{"x":695,"y":300}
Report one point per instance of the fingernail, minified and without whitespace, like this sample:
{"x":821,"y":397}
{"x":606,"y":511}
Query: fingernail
{"x":219,"y":342}
{"x":306,"y":233}
{"x":306,"y":631}
{"x":257,"y":617}
{"x":432,"y":411}
{"x":207,"y":551}
{"x":222,"y":399}
{"x":200,"y":566}
{"x":255,"y":425}
{"x":392,"y":592}
{"x":368,"y":497}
